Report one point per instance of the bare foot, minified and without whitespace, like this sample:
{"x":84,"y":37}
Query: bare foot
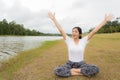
{"x":75,"y":71}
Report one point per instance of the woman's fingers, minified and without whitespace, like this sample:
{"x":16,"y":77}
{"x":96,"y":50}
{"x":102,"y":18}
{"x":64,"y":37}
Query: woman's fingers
{"x":109,"y":17}
{"x":51,"y":15}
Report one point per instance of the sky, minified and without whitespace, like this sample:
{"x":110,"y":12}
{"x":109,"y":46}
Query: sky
{"x":33,"y":14}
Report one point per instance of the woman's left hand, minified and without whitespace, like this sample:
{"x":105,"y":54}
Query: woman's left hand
{"x":108,"y":17}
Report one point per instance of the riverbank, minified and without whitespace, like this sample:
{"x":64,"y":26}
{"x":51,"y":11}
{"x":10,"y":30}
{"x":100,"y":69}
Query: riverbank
{"x":38,"y":64}
{"x":11,"y":45}
{"x":22,"y":59}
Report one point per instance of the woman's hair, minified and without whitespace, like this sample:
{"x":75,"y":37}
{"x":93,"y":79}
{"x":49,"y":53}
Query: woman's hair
{"x":79,"y":30}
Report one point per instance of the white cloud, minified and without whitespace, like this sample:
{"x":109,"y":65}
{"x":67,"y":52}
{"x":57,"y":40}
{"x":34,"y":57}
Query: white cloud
{"x":36,"y":5}
{"x":70,"y":13}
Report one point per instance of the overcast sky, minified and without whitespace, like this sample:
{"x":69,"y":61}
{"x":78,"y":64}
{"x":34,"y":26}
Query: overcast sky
{"x":69,"y":13}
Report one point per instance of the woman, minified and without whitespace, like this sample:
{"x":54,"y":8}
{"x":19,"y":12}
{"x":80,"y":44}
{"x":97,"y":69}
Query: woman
{"x":76,"y":46}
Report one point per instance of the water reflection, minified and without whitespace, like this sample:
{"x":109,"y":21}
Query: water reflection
{"x":10,"y":45}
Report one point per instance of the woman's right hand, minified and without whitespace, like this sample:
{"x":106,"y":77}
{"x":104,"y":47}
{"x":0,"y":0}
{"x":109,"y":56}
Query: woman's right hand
{"x":51,"y":15}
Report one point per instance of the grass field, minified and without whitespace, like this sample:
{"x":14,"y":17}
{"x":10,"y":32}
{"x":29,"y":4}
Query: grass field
{"x":102,"y":50}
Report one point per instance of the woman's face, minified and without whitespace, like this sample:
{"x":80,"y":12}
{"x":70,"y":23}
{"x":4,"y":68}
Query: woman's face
{"x":75,"y":33}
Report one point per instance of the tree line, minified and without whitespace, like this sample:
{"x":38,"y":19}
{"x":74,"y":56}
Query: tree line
{"x":110,"y":27}
{"x":12,"y":28}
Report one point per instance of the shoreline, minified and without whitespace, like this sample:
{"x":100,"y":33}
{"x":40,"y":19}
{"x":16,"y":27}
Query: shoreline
{"x":44,"y":45}
{"x":21,"y":52}
{"x":10,"y":46}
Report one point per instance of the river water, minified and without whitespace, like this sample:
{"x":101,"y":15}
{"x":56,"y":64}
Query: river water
{"x":11,"y":45}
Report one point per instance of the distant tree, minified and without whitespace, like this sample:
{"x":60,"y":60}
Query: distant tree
{"x":110,"y":27}
{"x":12,"y":28}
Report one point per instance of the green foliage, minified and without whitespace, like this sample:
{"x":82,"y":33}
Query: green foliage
{"x":110,"y":27}
{"x":12,"y":28}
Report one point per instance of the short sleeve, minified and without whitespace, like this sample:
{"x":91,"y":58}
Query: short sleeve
{"x":85,"y":39}
{"x":67,"y":40}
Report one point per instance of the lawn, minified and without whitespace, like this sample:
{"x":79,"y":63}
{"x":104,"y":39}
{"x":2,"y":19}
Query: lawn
{"x":38,"y":64}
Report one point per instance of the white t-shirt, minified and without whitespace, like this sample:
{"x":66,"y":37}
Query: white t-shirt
{"x":76,"y":51}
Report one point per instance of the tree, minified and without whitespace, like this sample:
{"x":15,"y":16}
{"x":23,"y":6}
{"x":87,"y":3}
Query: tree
{"x":110,"y":27}
{"x":12,"y":28}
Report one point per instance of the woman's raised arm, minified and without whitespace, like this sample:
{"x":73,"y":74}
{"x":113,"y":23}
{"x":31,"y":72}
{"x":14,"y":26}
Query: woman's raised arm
{"x":52,"y":17}
{"x":107,"y":18}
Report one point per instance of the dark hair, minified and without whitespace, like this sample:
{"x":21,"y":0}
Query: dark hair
{"x":79,"y":30}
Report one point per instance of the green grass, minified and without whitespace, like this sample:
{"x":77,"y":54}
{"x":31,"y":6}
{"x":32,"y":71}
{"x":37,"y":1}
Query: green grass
{"x":38,"y":64}
{"x":23,"y":58}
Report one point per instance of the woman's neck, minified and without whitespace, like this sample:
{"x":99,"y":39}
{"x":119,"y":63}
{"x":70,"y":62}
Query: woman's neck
{"x":76,"y":40}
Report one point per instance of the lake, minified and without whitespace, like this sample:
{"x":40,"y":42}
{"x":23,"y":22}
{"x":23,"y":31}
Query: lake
{"x":11,"y":45}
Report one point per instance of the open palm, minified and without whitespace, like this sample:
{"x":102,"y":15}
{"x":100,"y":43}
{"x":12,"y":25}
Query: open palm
{"x":51,"y":15}
{"x":109,"y":17}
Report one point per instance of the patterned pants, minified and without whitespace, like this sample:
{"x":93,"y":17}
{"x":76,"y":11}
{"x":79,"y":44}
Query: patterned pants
{"x":88,"y":70}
